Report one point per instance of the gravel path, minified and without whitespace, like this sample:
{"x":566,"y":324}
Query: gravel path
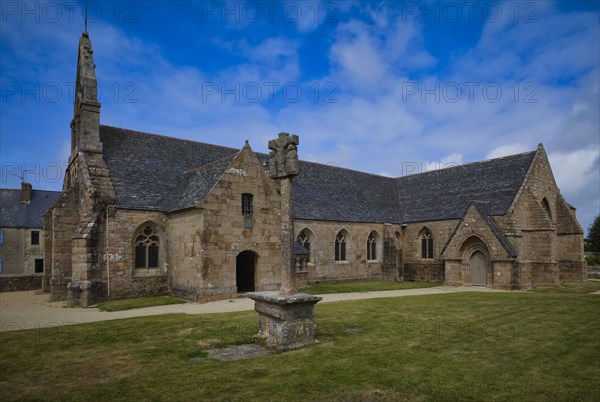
{"x":25,"y":310}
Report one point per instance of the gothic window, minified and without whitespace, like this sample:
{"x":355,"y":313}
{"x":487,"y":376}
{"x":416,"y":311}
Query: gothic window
{"x":247,"y":204}
{"x":304,"y":239}
{"x":340,"y":246}
{"x":426,"y":244}
{"x":372,"y":246}
{"x":146,"y":248}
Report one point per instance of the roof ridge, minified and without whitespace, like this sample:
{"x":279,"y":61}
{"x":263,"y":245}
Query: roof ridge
{"x":206,"y":165}
{"x":468,"y":164}
{"x":237,"y":150}
{"x":348,"y":169}
{"x":168,"y":137}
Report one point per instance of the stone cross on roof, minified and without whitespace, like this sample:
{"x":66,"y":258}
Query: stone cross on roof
{"x":283,"y":158}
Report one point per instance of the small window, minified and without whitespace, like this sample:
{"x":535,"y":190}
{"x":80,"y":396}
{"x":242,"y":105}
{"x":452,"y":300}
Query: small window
{"x":304,"y":239}
{"x":546,"y":206}
{"x":426,"y":244}
{"x":372,"y":247}
{"x":1,"y":237}
{"x":39,"y":265}
{"x":146,"y":248}
{"x":340,"y":247}
{"x":35,"y":237}
{"x":247,"y":204}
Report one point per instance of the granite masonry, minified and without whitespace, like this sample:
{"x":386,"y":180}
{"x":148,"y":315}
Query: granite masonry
{"x":143,"y":214}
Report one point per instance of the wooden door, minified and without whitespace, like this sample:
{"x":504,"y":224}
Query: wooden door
{"x":478,"y":266}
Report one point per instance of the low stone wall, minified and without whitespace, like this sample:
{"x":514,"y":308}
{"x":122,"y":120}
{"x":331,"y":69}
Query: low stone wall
{"x":429,"y":272}
{"x":20,"y":282}
{"x":593,"y":272}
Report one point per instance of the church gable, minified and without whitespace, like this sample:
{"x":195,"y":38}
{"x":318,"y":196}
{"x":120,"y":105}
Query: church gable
{"x":539,"y":204}
{"x":476,"y":225}
{"x":241,"y":174}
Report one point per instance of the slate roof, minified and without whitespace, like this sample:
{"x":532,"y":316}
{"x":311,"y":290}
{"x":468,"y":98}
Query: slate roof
{"x":446,"y":193}
{"x":149,"y":171}
{"x":13,"y":214}
{"x":325,"y":192}
{"x":154,"y":172}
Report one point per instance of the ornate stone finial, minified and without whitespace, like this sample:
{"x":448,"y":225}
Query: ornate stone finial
{"x":283,"y":158}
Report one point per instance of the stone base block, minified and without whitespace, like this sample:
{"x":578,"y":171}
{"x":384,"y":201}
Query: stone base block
{"x":285,"y":322}
{"x":83,"y":293}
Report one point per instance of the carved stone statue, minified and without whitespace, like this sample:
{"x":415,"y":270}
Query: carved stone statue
{"x":283,"y":158}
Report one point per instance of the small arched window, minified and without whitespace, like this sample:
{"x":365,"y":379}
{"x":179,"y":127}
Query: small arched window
{"x":340,"y":246}
{"x":372,"y":246}
{"x":147,"y":248}
{"x":426,"y":244}
{"x":546,"y":206}
{"x":304,"y":239}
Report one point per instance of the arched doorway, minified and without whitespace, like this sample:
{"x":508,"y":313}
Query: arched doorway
{"x":244,"y":271}
{"x":478,"y":265}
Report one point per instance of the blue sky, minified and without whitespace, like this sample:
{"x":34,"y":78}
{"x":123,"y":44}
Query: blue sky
{"x":382,"y":87}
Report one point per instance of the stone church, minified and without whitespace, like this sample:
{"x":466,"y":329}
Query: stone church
{"x":144,"y":214}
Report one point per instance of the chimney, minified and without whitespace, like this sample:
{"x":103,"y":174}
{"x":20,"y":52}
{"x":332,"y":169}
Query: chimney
{"x":25,"y":193}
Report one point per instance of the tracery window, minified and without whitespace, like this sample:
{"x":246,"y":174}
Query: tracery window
{"x":372,"y":246}
{"x":340,"y":246}
{"x":304,"y":239}
{"x":147,"y":248}
{"x":426,"y":244}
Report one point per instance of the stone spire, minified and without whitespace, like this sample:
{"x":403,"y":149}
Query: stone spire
{"x":85,"y":126}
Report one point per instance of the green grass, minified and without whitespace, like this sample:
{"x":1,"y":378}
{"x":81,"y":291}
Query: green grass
{"x":589,"y":286}
{"x":374,"y":286}
{"x":460,"y":346}
{"x":130,"y":304}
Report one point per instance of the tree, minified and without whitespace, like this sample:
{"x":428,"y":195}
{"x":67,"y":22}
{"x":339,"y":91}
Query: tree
{"x":592,"y":242}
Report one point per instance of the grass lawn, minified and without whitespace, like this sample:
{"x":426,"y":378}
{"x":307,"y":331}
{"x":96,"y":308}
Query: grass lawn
{"x":374,"y":286}
{"x":461,"y":346}
{"x":571,"y":287}
{"x":129,"y":304}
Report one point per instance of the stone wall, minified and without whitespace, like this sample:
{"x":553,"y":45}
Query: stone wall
{"x":61,"y":222}
{"x":208,"y":240}
{"x":15,"y":283}
{"x":322,"y":266}
{"x":116,"y":267}
{"x":431,"y":271}
{"x":417,"y":268}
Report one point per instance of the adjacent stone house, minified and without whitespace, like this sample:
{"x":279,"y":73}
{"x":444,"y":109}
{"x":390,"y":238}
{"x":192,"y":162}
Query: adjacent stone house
{"x":22,"y":237}
{"x":143,"y":214}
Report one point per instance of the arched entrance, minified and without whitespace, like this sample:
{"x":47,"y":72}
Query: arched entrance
{"x":478,"y":265}
{"x":244,"y":271}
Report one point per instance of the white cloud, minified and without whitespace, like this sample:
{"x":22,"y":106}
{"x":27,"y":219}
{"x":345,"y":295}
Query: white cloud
{"x":373,"y":54}
{"x":446,"y":162}
{"x":510,"y":149}
{"x":576,"y":171}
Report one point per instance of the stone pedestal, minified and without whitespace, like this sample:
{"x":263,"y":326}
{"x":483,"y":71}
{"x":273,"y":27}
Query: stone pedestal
{"x":285,"y":322}
{"x":83,"y":293}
